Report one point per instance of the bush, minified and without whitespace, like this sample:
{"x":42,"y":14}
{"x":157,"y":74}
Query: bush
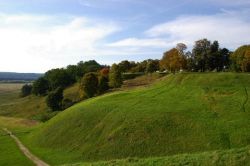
{"x":26,"y":90}
{"x":89,"y":84}
{"x":54,"y":99}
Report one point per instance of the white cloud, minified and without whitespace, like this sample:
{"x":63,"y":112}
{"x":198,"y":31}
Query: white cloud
{"x":39,"y":43}
{"x":230,"y":28}
{"x":134,"y":42}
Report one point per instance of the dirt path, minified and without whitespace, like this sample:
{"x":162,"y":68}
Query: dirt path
{"x":26,"y":151}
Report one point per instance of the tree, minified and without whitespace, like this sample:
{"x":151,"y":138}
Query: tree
{"x":89,"y":84}
{"x":201,"y":52}
{"x":115,"y":77}
{"x":86,"y":67}
{"x":40,"y":86}
{"x":26,"y":90}
{"x":124,"y":66}
{"x":72,"y":72}
{"x":173,"y":61}
{"x":104,"y":72}
{"x":241,"y":59}
{"x":181,"y":47}
{"x":54,"y":99}
{"x":58,"y":78}
{"x":214,"y":58}
{"x":152,"y":66}
{"x":103,"y":84}
{"x":225,"y":58}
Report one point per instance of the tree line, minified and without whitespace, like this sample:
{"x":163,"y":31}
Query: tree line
{"x":96,"y":79}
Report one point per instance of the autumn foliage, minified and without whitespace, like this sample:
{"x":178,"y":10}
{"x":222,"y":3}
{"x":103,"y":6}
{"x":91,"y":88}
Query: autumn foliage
{"x":173,"y":60}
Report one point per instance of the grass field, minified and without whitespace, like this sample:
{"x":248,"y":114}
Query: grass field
{"x":182,"y":113}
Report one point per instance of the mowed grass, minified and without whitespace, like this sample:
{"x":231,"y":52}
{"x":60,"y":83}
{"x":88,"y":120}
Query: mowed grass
{"x":182,"y":113}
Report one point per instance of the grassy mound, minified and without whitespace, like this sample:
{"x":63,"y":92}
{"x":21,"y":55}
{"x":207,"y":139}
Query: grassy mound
{"x":183,"y":113}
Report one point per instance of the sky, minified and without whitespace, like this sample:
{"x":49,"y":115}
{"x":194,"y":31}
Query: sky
{"x":38,"y":35}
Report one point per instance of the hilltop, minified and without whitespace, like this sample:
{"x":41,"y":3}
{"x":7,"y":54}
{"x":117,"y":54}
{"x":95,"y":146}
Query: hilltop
{"x":182,"y":113}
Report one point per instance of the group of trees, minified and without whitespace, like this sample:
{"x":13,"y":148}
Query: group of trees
{"x":98,"y":83}
{"x":146,"y":66}
{"x":54,"y":81}
{"x":205,"y":56}
{"x":96,"y":79}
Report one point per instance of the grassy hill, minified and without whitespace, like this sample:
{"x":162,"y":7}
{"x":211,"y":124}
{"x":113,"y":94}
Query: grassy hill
{"x":182,"y":113}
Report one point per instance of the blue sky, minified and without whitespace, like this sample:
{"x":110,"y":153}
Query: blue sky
{"x":37,"y":35}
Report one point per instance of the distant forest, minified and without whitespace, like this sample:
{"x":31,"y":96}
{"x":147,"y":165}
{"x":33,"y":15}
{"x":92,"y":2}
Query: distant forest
{"x":9,"y":76}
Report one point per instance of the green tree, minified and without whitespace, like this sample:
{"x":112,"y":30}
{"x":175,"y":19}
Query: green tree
{"x":89,"y":84}
{"x":58,"y":78}
{"x":201,"y":52}
{"x":115,"y":76}
{"x":124,"y":66}
{"x":26,"y":90}
{"x":40,"y":86}
{"x":152,"y":66}
{"x":54,"y":99}
{"x":86,"y":67}
{"x":103,"y":84}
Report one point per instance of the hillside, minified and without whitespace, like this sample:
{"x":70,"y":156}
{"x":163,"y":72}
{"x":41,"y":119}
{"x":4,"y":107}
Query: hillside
{"x":182,"y":113}
{"x":232,"y":157}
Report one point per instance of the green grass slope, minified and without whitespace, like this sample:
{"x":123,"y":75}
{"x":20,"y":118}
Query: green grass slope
{"x":233,"y":157}
{"x":182,"y":113}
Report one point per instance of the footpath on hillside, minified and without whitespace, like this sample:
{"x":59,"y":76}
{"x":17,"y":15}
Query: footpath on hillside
{"x":25,"y":150}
